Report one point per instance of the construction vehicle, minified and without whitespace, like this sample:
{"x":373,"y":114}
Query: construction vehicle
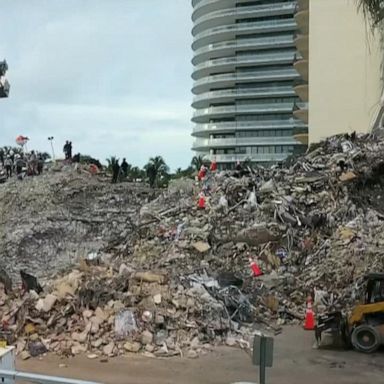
{"x":363,"y":327}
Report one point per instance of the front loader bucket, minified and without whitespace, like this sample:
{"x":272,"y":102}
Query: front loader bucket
{"x":330,"y":331}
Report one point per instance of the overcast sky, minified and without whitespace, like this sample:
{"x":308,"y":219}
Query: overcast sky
{"x":113,"y":76}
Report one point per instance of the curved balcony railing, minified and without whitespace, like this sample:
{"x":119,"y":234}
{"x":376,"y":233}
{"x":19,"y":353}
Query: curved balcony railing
{"x":259,"y":158}
{"x":211,"y":35}
{"x":208,"y":20}
{"x":207,"y":6}
{"x":202,"y":115}
{"x":232,"y":62}
{"x":229,"y":47}
{"x":206,"y":129}
{"x":283,"y":91}
{"x":196,"y":4}
{"x":244,"y":141}
{"x":229,"y":79}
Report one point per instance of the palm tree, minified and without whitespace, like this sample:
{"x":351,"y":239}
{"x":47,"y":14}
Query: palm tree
{"x":15,"y":150}
{"x":156,"y":170}
{"x":197,"y":162}
{"x":136,"y":173}
{"x":111,"y":162}
{"x":373,"y":10}
{"x":127,"y":173}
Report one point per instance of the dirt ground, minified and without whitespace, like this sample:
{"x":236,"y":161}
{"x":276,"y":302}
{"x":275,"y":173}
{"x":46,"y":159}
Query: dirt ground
{"x":296,"y":362}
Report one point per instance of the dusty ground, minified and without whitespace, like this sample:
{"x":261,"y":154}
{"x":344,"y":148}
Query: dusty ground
{"x":296,"y":362}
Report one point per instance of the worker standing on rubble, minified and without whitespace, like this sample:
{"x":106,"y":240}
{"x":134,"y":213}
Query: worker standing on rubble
{"x":40,"y":164}
{"x":70,"y":150}
{"x":8,"y":166}
{"x":19,"y":164}
{"x":33,"y":164}
{"x":115,"y":171}
{"x":124,"y":168}
{"x":66,"y":150}
{"x":12,"y":156}
{"x":202,"y":173}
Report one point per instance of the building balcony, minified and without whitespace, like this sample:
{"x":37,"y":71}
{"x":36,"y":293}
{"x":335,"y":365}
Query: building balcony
{"x":229,"y":16}
{"x":207,"y":114}
{"x":302,"y":20}
{"x":302,"y":91}
{"x":204,"y":130}
{"x":231,"y":95}
{"x":231,"y":48}
{"x":228,"y":64}
{"x":302,"y":45}
{"x":254,"y":158}
{"x":231,"y":32}
{"x":203,"y":144}
{"x":229,"y":80}
{"x":301,"y":66}
{"x":203,"y":7}
{"x":301,"y":112}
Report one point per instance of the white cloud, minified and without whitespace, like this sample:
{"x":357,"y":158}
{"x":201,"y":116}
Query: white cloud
{"x":113,"y":76}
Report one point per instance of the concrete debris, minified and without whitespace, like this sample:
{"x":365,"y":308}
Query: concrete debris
{"x":201,"y":247}
{"x":25,"y":355}
{"x":46,"y":304}
{"x":146,"y":338}
{"x":171,"y":279}
{"x":133,"y":347}
{"x":109,"y":349}
{"x":50,"y":222}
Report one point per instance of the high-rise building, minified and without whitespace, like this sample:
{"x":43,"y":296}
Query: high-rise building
{"x":4,"y":85}
{"x":342,"y":64}
{"x":244,"y":81}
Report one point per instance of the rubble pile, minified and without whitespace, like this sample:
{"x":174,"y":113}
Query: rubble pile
{"x":314,"y":225}
{"x":170,"y":278}
{"x":48,"y":222}
{"x":102,"y":311}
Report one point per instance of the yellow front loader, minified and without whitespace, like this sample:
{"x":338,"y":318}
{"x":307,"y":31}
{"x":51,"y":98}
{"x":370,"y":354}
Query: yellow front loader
{"x":363,"y":327}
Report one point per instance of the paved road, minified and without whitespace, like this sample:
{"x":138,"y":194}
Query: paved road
{"x":296,"y":362}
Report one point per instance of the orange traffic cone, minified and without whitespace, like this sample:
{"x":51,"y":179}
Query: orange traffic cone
{"x":309,"y":324}
{"x":201,"y":203}
{"x":255,"y":268}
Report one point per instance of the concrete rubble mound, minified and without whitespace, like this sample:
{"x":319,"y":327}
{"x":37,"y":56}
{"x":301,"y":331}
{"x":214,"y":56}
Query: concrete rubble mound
{"x":48,"y":222}
{"x":167,"y":278}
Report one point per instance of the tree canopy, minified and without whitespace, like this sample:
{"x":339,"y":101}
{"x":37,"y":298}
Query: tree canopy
{"x":373,"y":10}
{"x":156,"y":170}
